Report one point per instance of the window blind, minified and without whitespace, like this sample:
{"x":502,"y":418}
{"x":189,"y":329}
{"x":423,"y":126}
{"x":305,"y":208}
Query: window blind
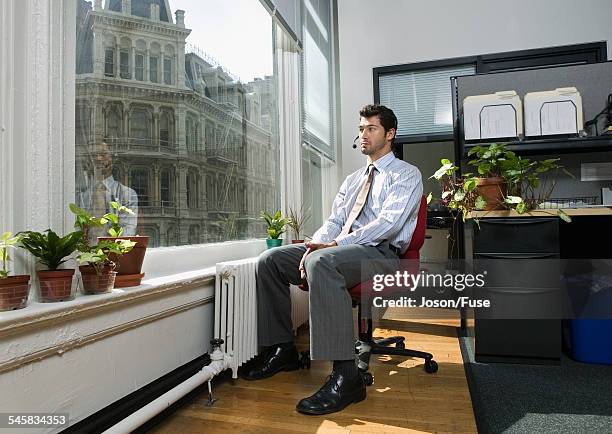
{"x":421,"y":100}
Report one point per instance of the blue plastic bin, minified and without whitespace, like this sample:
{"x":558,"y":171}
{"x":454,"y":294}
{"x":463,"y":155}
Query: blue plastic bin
{"x":591,"y":340}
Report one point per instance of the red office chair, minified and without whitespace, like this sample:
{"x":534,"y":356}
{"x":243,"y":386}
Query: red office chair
{"x":367,"y":345}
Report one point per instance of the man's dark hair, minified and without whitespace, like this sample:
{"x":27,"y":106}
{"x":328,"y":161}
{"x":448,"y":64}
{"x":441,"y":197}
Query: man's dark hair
{"x":385,"y":115}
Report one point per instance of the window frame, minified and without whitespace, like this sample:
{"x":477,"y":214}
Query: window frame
{"x":111,"y":63}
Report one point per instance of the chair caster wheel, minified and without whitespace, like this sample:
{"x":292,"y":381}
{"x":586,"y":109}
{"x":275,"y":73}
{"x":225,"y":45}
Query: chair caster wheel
{"x":368,"y":378}
{"x":304,"y":361}
{"x":400,"y":345}
{"x":431,"y":366}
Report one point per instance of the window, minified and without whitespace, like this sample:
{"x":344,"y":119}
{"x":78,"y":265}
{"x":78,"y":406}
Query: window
{"x":145,"y":124}
{"x":109,"y":62}
{"x":153,"y":68}
{"x":139,"y":182}
{"x":165,"y":129}
{"x":124,"y":64}
{"x":165,"y":188}
{"x":317,"y":83}
{"x":167,"y":70}
{"x":192,"y":189}
{"x":140,"y":130}
{"x":113,"y":123}
{"x":139,"y":68}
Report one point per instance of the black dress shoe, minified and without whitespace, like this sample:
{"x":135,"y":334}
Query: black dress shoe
{"x":276,"y":359}
{"x":337,"y":393}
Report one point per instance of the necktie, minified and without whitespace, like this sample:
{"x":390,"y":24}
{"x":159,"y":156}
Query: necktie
{"x":98,"y":209}
{"x":360,"y":202}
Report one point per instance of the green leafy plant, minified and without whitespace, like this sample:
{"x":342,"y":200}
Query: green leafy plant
{"x":49,"y":248}
{"x":297,"y":220}
{"x":528,"y":184}
{"x":114,"y":218}
{"x":276,"y":223}
{"x":98,"y":256}
{"x":7,"y":241}
{"x":83,"y":222}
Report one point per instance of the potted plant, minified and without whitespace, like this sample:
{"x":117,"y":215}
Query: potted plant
{"x":296,"y":221}
{"x":515,"y":190}
{"x":13,"y":289}
{"x":276,"y":227}
{"x":97,"y":269}
{"x":490,"y":163}
{"x":51,"y":251}
{"x":129,"y":266}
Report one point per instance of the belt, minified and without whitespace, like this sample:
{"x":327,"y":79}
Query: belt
{"x":395,"y":250}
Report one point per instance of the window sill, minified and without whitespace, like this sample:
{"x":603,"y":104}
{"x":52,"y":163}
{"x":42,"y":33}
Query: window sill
{"x":38,"y":315}
{"x":167,"y":271}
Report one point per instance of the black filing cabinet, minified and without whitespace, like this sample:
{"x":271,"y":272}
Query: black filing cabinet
{"x":520,"y":255}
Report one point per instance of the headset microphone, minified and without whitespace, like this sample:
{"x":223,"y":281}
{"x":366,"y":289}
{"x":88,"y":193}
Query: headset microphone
{"x":355,"y":144}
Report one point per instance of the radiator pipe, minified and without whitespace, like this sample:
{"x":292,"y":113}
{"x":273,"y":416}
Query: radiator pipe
{"x":219,"y":362}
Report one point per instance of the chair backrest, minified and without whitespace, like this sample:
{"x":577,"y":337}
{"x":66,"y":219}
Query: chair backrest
{"x":418,"y":237}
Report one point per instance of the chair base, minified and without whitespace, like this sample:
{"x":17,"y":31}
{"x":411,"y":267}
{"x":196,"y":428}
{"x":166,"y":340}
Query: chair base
{"x":368,"y":346}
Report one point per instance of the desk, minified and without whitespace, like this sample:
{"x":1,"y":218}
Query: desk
{"x":532,"y":236}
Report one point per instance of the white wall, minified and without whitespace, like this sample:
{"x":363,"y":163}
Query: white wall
{"x":392,"y":32}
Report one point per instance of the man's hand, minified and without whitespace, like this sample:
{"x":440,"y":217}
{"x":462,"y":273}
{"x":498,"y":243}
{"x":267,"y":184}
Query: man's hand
{"x":311,"y":247}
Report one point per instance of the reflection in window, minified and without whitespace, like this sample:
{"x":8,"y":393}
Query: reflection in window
{"x":109,"y":62}
{"x":166,"y":192}
{"x":165,"y":126}
{"x":153,"y":68}
{"x":139,"y":126}
{"x":139,"y":181}
{"x":167,"y":70}
{"x":113,"y":123}
{"x":124,"y":63}
{"x":139,"y":68}
{"x":148,"y":125}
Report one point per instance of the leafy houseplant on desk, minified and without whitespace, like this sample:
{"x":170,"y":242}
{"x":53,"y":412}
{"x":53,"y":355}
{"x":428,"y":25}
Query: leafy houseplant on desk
{"x":13,"y":289}
{"x":516,"y":180}
{"x":129,"y":266}
{"x":276,"y":227}
{"x":51,"y":250}
{"x":97,"y":269}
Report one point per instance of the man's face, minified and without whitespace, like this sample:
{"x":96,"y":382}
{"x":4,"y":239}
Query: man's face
{"x":102,"y":159}
{"x":372,"y":136}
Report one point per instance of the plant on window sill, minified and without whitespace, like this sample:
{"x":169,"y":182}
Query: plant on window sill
{"x":52,"y":251}
{"x":275,"y":227}
{"x":296,"y":221}
{"x":13,"y":289}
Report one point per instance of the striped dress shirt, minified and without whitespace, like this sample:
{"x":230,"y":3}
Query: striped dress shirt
{"x":390,"y":212}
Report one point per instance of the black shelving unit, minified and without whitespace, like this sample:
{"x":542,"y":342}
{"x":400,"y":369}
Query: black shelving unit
{"x":552,"y":145}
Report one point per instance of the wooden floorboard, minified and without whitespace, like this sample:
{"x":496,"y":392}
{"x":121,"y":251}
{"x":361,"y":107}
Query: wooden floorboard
{"x":403,"y":398}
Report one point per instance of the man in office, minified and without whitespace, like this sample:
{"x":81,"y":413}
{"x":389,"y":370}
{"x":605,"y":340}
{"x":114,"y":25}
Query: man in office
{"x":372,"y":221}
{"x":101,"y":188}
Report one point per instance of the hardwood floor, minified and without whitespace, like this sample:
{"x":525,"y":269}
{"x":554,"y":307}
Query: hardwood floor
{"x":403,"y":398}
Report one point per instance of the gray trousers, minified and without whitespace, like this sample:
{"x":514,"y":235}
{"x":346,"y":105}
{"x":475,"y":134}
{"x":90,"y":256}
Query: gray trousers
{"x":329,"y":273}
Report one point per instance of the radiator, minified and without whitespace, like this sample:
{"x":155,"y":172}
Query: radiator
{"x":236,"y":309}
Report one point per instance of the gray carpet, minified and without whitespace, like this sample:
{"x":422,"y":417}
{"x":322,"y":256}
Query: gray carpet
{"x":510,"y":398}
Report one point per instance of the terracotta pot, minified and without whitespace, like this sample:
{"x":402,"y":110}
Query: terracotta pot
{"x":94,"y":283}
{"x":130,"y":264}
{"x":55,"y":285}
{"x":297,"y":241}
{"x":493,"y":191}
{"x":14,"y":292}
